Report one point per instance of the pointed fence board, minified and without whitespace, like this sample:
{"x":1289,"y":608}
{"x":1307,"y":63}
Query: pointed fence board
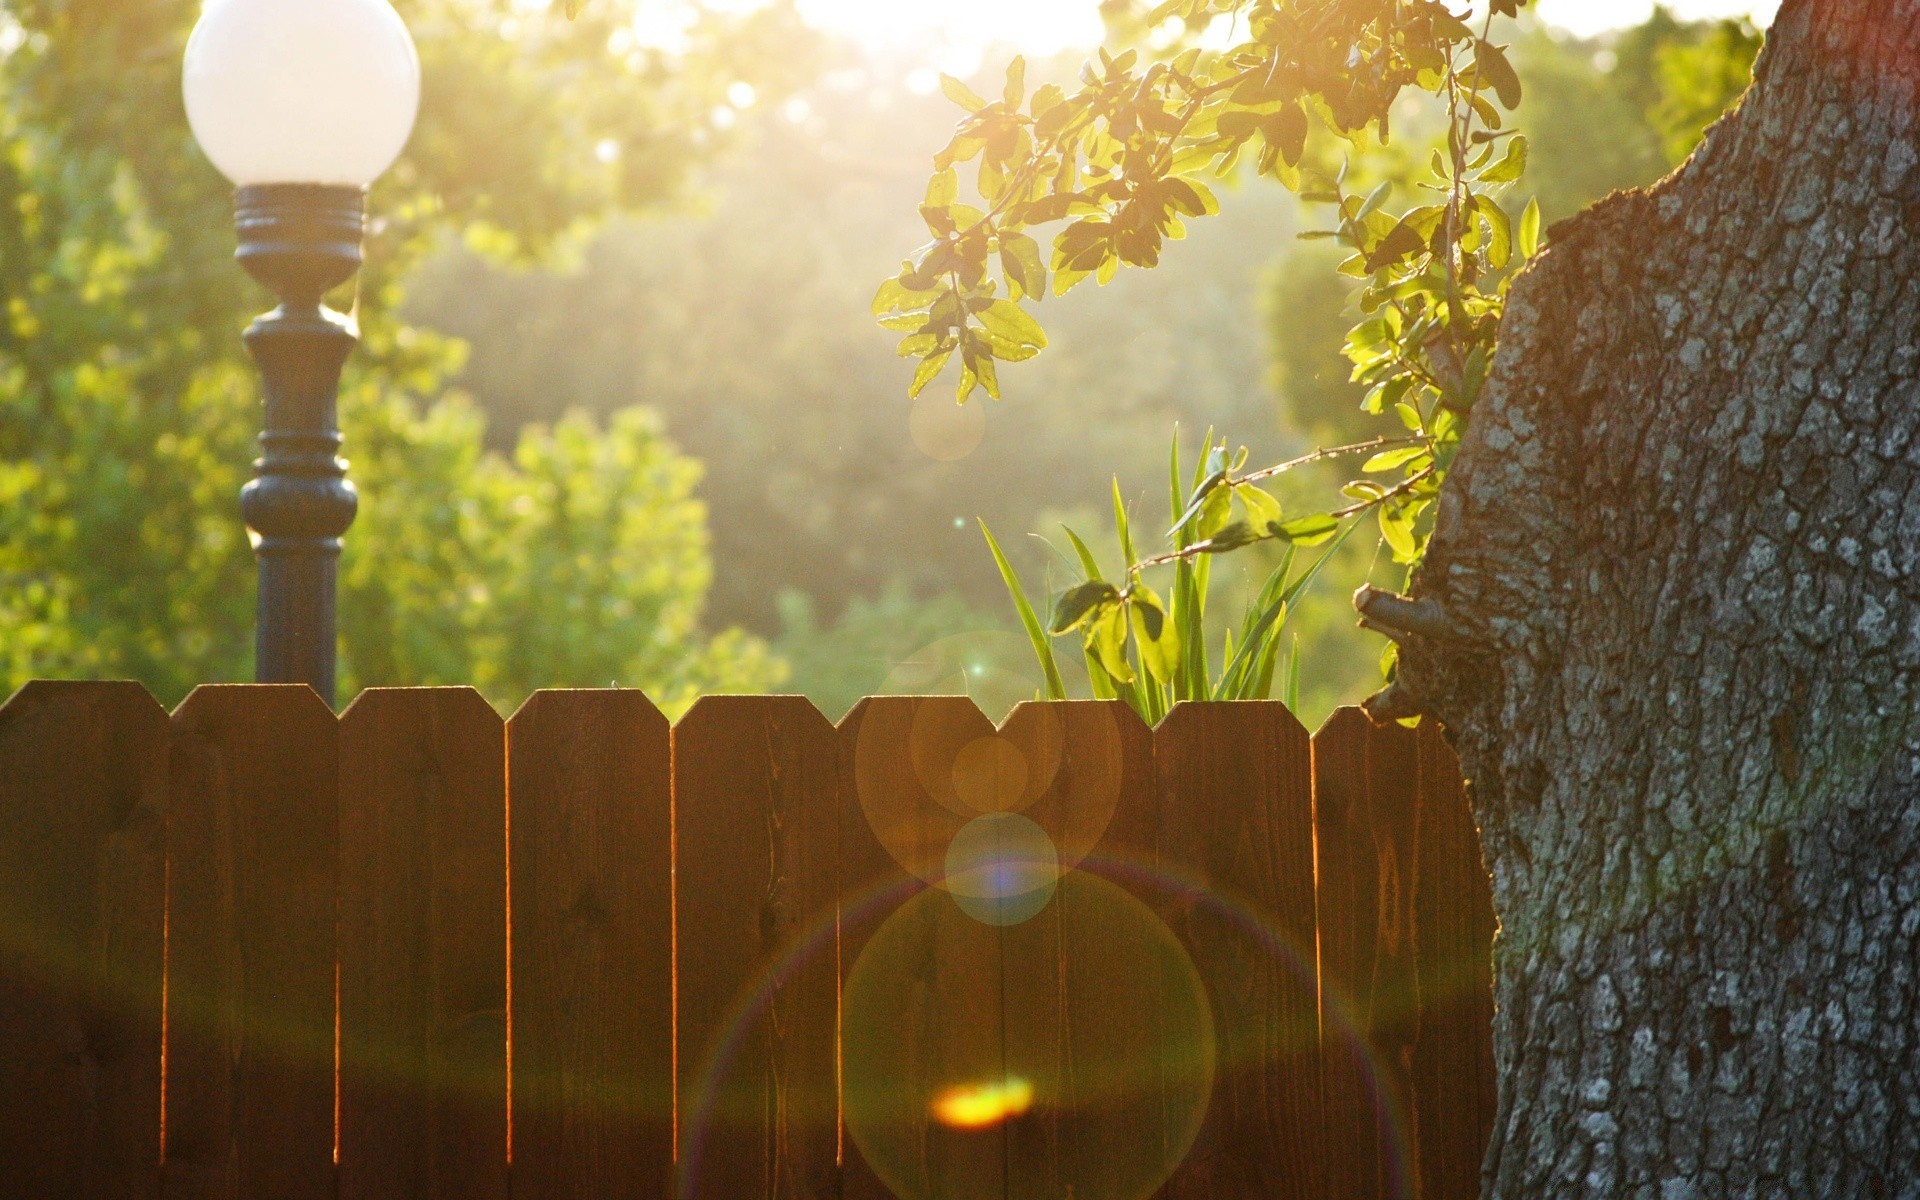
{"x":1365,"y":778}
{"x":591,"y":960}
{"x":252,"y":854}
{"x":1236,"y":820}
{"x":423,"y":976}
{"x":756,"y":847}
{"x":1090,"y":985}
{"x":920,"y":984}
{"x":82,"y":795}
{"x":1453,"y":1068}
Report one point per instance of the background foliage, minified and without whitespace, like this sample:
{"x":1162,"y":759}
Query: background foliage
{"x":647,"y":241}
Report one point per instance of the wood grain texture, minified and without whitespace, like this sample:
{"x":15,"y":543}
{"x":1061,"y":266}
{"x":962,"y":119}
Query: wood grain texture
{"x":1084,"y":1003}
{"x":899,"y":809}
{"x":1452,"y":1061}
{"x":1236,"y":817}
{"x":82,"y":798}
{"x":590,"y":828}
{"x":1364,"y":782}
{"x":423,"y":985}
{"x":756,"y":795}
{"x":252,"y":852}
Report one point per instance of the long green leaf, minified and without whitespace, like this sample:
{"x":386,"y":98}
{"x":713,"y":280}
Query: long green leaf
{"x":1271,"y":615}
{"x":1037,"y":636}
{"x":1087,"y":563}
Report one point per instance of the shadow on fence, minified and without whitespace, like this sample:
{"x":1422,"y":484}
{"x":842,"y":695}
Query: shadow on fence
{"x":415,"y":952}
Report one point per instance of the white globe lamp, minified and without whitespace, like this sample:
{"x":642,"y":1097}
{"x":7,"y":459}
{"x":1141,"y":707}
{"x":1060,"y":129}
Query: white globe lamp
{"x":301,"y":91}
{"x":302,"y":104}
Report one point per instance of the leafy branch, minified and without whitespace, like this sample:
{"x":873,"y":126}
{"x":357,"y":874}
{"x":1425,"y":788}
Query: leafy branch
{"x":1115,"y":168}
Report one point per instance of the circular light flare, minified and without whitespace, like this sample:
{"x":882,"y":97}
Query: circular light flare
{"x":301,"y":91}
{"x":1001,"y":869}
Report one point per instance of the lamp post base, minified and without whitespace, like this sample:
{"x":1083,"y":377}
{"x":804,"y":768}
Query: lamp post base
{"x":301,"y":241}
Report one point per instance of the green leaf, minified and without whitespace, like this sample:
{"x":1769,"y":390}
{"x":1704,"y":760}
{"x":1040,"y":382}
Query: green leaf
{"x":1020,"y":259}
{"x":1120,"y":524}
{"x":1530,"y":230}
{"x":1078,"y":603}
{"x":1008,"y":320}
{"x":1087,"y":562}
{"x":1262,"y":509}
{"x":894,"y":295}
{"x":1231,"y":536}
{"x":1016,"y":88}
{"x":1500,"y":230}
{"x":1106,"y":640}
{"x":961,"y":94}
{"x":1154,"y":633}
{"x":1042,"y":649}
{"x":943,"y":189}
{"x":1512,"y":166}
{"x":1309,"y":531}
{"x":1496,"y":70}
{"x":1387,"y":460}
{"x":1201,"y":495}
{"x":929,"y":370}
{"x":1396,"y":526}
{"x":1404,"y":240}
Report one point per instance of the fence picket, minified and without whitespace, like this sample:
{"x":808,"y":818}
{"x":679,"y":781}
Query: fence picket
{"x":756,"y":835}
{"x":423,"y":1107}
{"x":1453,"y":1069}
{"x":900,"y":808}
{"x":252,"y":854}
{"x":1236,"y":816}
{"x":82,"y":797}
{"x":1364,"y":781}
{"x":591,"y":999}
{"x":1083,"y":1003}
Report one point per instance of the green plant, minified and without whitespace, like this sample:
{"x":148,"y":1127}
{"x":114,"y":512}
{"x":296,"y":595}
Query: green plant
{"x":1118,"y":164}
{"x":1153,"y":653}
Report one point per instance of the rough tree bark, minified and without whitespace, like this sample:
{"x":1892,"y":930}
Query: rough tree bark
{"x":1671,"y":619}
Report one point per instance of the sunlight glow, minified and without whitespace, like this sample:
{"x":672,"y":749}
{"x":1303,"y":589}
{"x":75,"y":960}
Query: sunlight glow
{"x":980,"y":1105}
{"x":1042,"y":27}
{"x":1588,"y":17}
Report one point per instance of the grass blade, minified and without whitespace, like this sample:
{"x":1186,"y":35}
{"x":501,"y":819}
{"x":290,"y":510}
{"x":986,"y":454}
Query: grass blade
{"x":1042,"y":648}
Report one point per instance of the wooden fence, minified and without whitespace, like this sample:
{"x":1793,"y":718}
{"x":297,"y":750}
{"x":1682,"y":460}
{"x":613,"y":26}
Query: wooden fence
{"x":252,"y":950}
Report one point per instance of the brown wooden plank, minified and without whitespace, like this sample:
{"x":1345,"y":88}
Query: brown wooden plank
{"x":82,"y":800}
{"x":591,"y":958}
{"x":900,"y":810}
{"x":756,"y":796}
{"x":423,"y":985}
{"x":252,"y":853}
{"x":1453,"y":1069}
{"x":1364,"y":781}
{"x":1236,"y":815}
{"x":1089,"y":1006}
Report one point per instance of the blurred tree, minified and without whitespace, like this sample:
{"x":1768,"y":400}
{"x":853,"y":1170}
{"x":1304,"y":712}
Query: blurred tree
{"x":817,"y":478}
{"x":1602,"y":114}
{"x":127,"y":408}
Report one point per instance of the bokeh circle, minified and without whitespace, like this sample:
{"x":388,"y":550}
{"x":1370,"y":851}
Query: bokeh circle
{"x":1001,"y":868}
{"x":969,"y":1047}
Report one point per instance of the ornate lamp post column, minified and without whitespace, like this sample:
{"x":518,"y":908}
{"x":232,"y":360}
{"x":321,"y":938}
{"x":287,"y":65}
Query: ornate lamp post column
{"x":302,"y":104}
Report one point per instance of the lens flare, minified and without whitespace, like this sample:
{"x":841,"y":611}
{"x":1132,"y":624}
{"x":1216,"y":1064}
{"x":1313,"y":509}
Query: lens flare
{"x":1085,"y":1030}
{"x":1001,"y":869}
{"x":979,"y":1105}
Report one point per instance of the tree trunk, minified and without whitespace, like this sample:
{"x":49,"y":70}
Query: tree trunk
{"x":1671,"y":620}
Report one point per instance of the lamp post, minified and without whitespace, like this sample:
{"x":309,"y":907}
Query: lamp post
{"x":302,"y":104}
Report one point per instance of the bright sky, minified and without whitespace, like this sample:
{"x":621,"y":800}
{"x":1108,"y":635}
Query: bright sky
{"x":1042,"y":26}
{"x":1046,"y":26}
